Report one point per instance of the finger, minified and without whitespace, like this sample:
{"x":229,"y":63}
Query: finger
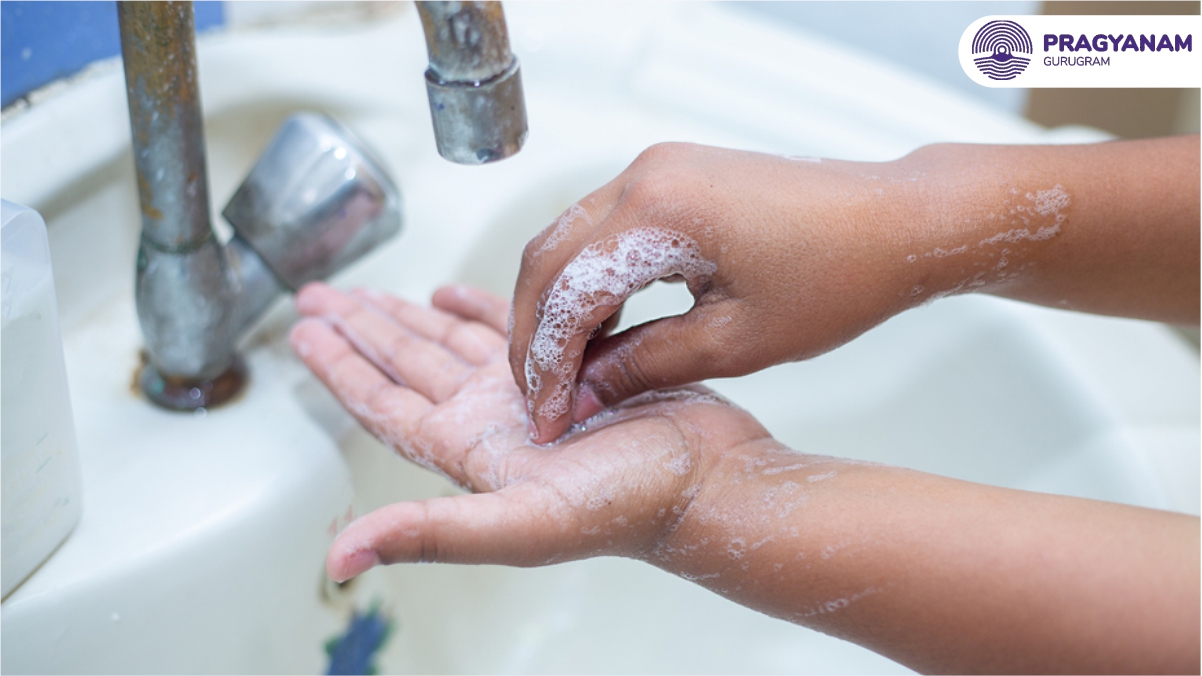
{"x":474,"y":304}
{"x":555,"y":356}
{"x":471,"y":341}
{"x":390,"y":412}
{"x":588,"y":290}
{"x":665,"y":353}
{"x":421,"y":364}
{"x":498,"y":528}
{"x":543,"y":259}
{"x":608,"y":326}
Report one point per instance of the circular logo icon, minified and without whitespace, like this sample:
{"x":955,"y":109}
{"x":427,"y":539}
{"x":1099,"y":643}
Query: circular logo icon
{"x":1001,"y":49}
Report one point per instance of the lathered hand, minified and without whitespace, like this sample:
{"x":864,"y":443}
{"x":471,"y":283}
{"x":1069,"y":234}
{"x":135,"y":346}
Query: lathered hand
{"x":788,"y":258}
{"x":942,"y":575}
{"x":434,"y":384}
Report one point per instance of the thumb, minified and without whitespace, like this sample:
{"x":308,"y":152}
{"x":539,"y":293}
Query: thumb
{"x":665,"y":353}
{"x":481,"y":528}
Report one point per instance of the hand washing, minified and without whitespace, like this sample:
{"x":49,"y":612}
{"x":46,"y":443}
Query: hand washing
{"x":785,"y":260}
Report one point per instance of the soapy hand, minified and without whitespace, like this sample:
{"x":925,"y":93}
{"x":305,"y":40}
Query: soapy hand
{"x":433,"y":383}
{"x":771,"y":248}
{"x":788,"y":258}
{"x":690,"y":484}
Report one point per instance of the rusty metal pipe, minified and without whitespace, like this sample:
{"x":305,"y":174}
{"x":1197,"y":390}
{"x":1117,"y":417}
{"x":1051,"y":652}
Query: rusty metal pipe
{"x":190,"y":291}
{"x":159,"y":48}
{"x":195,"y":297}
{"x":474,"y":82}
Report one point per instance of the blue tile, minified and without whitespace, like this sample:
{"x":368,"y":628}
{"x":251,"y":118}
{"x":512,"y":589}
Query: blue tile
{"x":43,"y":41}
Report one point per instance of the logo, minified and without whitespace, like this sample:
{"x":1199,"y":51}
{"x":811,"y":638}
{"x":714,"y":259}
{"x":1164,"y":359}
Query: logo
{"x":1056,"y":50}
{"x":1001,"y":49}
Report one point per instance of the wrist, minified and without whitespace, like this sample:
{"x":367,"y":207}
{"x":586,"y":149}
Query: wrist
{"x":746,"y":520}
{"x":792,"y":535}
{"x":969,"y":231}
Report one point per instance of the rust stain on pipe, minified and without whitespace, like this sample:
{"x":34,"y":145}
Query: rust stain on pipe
{"x":158,"y":45}
{"x":466,"y":41}
{"x":159,"y":49}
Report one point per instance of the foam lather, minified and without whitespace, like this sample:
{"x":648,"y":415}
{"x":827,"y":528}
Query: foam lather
{"x":603,"y":274}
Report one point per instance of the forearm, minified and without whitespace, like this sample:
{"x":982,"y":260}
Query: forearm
{"x":940,"y":574}
{"x":1111,"y":228}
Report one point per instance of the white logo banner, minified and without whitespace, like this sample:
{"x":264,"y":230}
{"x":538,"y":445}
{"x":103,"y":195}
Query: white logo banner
{"x":1083,"y":51}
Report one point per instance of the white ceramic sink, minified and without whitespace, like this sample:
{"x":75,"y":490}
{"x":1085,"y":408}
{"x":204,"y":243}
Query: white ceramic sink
{"x":202,"y":539}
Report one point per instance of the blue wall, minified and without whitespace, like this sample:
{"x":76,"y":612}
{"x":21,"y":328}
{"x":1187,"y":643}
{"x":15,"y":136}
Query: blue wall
{"x":43,"y":41}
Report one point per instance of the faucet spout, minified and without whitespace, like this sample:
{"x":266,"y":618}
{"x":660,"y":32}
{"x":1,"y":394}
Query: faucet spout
{"x":474,"y":82}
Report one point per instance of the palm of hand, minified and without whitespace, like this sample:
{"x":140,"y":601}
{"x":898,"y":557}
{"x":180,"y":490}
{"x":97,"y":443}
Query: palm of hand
{"x":436,"y":386}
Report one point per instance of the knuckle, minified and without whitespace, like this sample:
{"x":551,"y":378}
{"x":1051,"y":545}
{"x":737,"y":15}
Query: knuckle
{"x":655,"y":194}
{"x":660,"y":152}
{"x":670,"y":194}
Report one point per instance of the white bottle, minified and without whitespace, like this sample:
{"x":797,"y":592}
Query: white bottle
{"x":40,"y":470}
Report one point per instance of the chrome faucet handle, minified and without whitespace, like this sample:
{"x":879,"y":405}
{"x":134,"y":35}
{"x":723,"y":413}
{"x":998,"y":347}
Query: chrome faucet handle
{"x":314,"y":202}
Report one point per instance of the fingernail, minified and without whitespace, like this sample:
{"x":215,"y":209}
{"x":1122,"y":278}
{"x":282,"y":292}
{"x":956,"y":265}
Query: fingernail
{"x":358,"y":563}
{"x":587,"y":404}
{"x":532,"y":429}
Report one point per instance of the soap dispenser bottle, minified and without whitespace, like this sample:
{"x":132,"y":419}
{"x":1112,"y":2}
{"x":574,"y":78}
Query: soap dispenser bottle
{"x":40,"y":466}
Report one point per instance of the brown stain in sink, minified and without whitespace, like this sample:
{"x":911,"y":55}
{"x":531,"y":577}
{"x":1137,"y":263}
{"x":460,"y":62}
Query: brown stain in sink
{"x":188,"y":394}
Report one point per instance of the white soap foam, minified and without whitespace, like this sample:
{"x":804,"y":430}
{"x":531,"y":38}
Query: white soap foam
{"x":605,"y":273}
{"x":834,"y":605}
{"x":941,"y":253}
{"x":736,"y":548}
{"x":1050,"y":202}
{"x":1016,"y":235}
{"x":679,"y":464}
{"x":761,"y":543}
{"x":1046,"y":203}
{"x":663,"y":403}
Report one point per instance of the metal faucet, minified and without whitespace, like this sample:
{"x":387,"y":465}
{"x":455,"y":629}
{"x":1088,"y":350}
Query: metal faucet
{"x":315,"y":201}
{"x":474,"y":82}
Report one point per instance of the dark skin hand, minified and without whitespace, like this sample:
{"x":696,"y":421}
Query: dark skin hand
{"x":808,"y":255}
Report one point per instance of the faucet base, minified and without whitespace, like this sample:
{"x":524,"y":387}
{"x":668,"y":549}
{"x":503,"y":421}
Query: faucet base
{"x":189,"y":394}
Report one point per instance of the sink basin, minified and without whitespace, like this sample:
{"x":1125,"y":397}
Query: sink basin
{"x":202,"y":539}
